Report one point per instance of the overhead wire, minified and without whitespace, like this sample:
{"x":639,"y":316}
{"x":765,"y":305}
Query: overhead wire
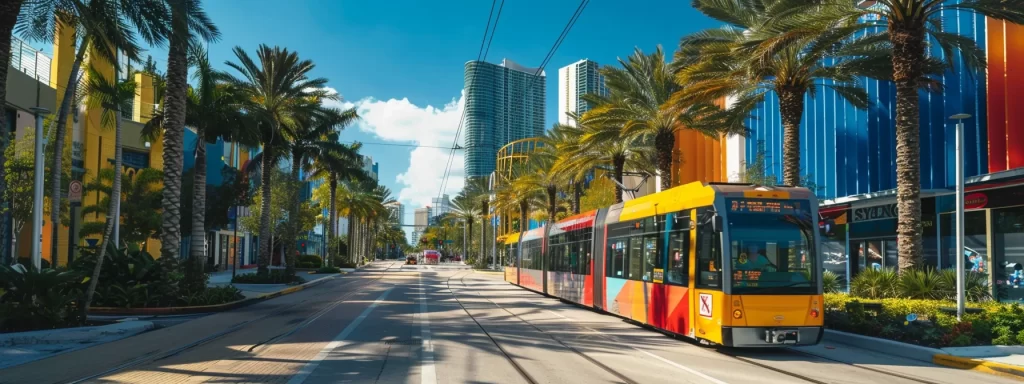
{"x":485,"y":47}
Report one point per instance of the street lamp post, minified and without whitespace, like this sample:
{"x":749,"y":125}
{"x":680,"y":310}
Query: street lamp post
{"x":37,"y":189}
{"x":960,"y":273}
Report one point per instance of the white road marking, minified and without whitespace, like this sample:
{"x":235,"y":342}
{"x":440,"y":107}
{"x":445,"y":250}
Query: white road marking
{"x":659,"y":358}
{"x":311,"y":366}
{"x":680,"y":366}
{"x":428,"y":374}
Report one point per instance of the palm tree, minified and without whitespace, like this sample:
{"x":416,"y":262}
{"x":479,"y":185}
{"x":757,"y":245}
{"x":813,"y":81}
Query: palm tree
{"x":188,"y":24}
{"x":597,"y":144}
{"x":314,"y":137}
{"x":278,"y":91}
{"x":638,"y":93}
{"x":140,"y":204}
{"x":342,"y":165}
{"x":113,"y":96}
{"x":464,"y":208}
{"x":213,"y":110}
{"x":717,"y":63}
{"x":519,"y":192}
{"x":906,"y":28}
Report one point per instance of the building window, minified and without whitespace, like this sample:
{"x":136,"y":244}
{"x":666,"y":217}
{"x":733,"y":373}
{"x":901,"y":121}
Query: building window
{"x":1008,"y":247}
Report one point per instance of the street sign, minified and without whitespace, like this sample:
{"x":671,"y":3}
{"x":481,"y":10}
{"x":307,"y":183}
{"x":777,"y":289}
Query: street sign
{"x":75,"y":191}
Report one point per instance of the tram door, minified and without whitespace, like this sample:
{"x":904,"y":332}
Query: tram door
{"x":706,"y":277}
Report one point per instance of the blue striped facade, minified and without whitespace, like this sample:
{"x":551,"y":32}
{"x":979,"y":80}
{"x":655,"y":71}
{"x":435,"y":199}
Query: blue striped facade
{"x":846,"y":151}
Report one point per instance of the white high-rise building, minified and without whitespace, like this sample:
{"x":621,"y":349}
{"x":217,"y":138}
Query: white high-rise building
{"x":574,"y":81}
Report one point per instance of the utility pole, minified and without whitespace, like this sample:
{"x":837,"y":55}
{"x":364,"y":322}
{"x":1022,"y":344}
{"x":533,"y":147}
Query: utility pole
{"x":960,"y":273}
{"x":37,"y":190}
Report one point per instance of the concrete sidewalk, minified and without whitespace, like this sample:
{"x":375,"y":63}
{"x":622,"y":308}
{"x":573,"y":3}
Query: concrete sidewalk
{"x":22,"y":347}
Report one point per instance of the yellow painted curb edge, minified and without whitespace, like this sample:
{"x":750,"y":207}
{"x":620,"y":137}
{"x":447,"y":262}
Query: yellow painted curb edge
{"x":980,"y":366}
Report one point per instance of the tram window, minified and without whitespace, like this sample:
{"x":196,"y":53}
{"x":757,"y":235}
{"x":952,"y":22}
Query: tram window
{"x":617,"y":258}
{"x":635,"y":258}
{"x":678,"y":256}
{"x":650,"y":257}
{"x":709,"y":257}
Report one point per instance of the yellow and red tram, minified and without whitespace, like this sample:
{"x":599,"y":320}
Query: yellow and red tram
{"x":729,"y":264}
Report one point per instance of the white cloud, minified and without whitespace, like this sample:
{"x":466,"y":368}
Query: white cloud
{"x":402,"y":121}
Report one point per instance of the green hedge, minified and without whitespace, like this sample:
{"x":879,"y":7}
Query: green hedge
{"x":275,"y":276}
{"x":923,"y":322}
{"x":309,"y":261}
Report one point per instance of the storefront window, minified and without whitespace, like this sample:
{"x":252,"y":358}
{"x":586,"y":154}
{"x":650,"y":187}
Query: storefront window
{"x":1008,"y":247}
{"x":975,"y":244}
{"x":833,"y":249}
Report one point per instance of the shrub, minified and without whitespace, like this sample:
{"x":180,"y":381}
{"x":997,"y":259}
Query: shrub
{"x":976,"y":286}
{"x":275,"y":276}
{"x":830,"y":282}
{"x":134,"y":279}
{"x":328,"y":270}
{"x":922,"y":284}
{"x":311,"y":261}
{"x":875,"y":284}
{"x":213,"y":296}
{"x":31,"y":299}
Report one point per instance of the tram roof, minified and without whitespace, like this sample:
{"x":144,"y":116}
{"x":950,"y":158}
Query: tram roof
{"x":698,"y":194}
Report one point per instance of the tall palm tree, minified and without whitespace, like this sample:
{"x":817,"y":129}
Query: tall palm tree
{"x":337,"y":166}
{"x":278,"y":91}
{"x":188,"y":25}
{"x":213,"y":109}
{"x":722,"y":62}
{"x":519,"y":193}
{"x":638,"y":93}
{"x":906,"y":28}
{"x":113,"y":96}
{"x":464,"y":208}
{"x":598,"y":144}
{"x":99,"y":25}
{"x":479,"y":191}
{"x":313,"y":137}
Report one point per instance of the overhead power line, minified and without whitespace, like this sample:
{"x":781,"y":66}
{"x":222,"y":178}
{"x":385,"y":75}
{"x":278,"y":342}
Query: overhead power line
{"x":485,"y":47}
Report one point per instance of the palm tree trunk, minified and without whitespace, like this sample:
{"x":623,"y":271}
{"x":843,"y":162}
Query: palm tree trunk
{"x":524,"y":206}
{"x":664,"y":143}
{"x":618,"y":163}
{"x":907,"y":54}
{"x":469,"y":235}
{"x":9,"y":11}
{"x":174,"y":131}
{"x":197,"y":248}
{"x":291,"y":245}
{"x":351,"y":240}
{"x":552,"y":193}
{"x":484,"y":222}
{"x":115,"y":206}
{"x":333,"y":214}
{"x":577,"y":194}
{"x":265,"y":235}
{"x":57,"y":174}
{"x":791,"y":107}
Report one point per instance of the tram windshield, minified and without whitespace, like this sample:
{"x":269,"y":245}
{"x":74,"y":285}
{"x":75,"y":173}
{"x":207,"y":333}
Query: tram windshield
{"x":771,"y":247}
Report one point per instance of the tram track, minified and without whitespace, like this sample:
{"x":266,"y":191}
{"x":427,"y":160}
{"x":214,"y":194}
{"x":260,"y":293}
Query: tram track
{"x":157,"y":356}
{"x":748,"y":360}
{"x":624,"y":379}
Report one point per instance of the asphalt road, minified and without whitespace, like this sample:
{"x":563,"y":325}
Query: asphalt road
{"x":432,"y":324}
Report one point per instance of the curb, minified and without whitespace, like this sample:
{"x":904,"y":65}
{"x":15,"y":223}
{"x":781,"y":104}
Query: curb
{"x":983,"y":366}
{"x":205,"y":308}
{"x":889,"y":347}
{"x":924,"y":354}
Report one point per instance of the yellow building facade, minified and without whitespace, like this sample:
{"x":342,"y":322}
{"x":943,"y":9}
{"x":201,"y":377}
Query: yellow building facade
{"x":92,"y":141}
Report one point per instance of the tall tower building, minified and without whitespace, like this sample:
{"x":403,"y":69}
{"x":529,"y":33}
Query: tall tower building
{"x":574,"y":81}
{"x":504,"y":103}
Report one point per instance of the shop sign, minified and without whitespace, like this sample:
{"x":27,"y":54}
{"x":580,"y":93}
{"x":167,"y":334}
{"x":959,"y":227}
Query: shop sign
{"x":878,"y":212}
{"x":975,"y":200}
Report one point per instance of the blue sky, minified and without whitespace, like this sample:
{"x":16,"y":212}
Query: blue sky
{"x":401,"y":61}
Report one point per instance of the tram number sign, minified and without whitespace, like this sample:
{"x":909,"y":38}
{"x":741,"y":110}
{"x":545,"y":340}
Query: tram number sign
{"x":705,"y":305}
{"x":659,"y":275}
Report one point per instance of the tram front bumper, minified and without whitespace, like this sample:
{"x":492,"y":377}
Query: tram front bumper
{"x":770,"y":336}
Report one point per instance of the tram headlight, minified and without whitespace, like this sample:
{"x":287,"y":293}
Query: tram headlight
{"x":737,"y":314}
